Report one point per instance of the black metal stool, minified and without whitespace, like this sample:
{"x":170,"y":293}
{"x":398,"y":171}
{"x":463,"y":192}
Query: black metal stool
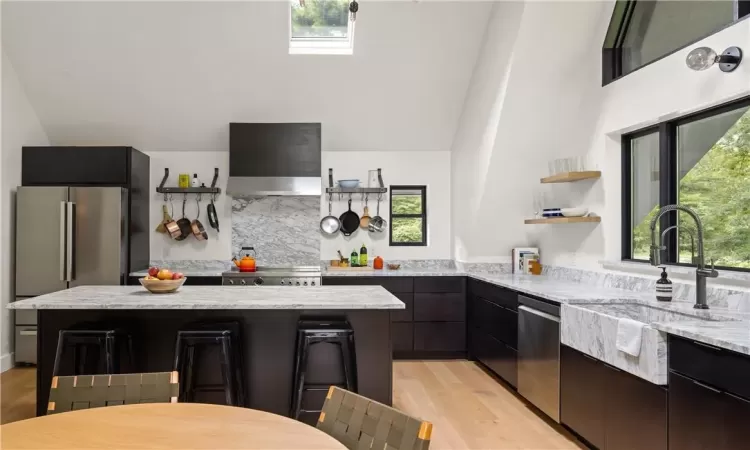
{"x":83,"y":339}
{"x":309,"y":333}
{"x":227,"y":337}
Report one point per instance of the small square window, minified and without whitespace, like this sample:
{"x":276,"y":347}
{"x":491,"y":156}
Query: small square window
{"x":408,"y":216}
{"x":320,"y":27}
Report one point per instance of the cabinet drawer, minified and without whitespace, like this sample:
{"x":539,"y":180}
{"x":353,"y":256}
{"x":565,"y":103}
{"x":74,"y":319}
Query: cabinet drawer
{"x":500,"y":322}
{"x":495,"y":294}
{"x":392,"y":284}
{"x":403,"y":336}
{"x":404,"y":315}
{"x":717,"y":367}
{"x":583,"y":395}
{"x":439,"y":307}
{"x":497,"y":356}
{"x":441,"y":337}
{"x":439,"y":284}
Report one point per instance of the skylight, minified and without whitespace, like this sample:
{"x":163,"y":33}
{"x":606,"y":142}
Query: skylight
{"x":322,"y":27}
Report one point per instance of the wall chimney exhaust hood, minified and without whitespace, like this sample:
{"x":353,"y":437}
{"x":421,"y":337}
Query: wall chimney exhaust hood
{"x":274,"y":159}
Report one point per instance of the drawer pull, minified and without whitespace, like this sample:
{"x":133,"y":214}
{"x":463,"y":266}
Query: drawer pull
{"x":27,"y":332}
{"x":706,"y":386}
{"x":709,"y":346}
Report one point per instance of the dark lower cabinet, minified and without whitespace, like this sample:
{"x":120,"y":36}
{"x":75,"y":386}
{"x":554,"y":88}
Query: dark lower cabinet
{"x":497,"y":356}
{"x":610,"y":408}
{"x":635,"y":412}
{"x":442,"y":307}
{"x":402,"y":335}
{"x":404,"y":315}
{"x":707,"y":404}
{"x":696,"y":419}
{"x":582,"y":395}
{"x":439,"y":336}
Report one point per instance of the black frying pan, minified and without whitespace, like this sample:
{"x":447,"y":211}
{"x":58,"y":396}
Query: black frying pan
{"x":349,"y":221}
{"x":213,"y":219}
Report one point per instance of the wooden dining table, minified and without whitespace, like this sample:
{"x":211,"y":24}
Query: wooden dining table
{"x":164,"y":426}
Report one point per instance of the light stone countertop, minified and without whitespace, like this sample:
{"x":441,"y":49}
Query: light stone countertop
{"x":733,"y":336}
{"x":216,"y":297}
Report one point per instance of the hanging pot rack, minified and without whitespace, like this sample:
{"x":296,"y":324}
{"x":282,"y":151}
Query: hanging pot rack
{"x":363,"y":191}
{"x":213,"y":190}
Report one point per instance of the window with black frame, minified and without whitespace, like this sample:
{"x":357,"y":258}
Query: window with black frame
{"x":641,"y":32}
{"x":408,"y":216}
{"x":701,"y":161}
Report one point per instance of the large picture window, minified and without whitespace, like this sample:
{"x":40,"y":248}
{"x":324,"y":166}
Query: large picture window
{"x":641,"y":32}
{"x":701,"y":161}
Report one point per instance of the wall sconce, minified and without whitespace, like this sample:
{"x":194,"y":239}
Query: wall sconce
{"x":702,"y":58}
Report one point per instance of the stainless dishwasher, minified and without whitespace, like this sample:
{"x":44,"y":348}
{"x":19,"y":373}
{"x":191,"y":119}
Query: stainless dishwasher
{"x":539,"y":354}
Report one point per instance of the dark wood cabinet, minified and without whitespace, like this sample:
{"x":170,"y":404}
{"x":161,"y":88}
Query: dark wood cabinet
{"x":634,"y":404}
{"x":402,"y":334}
{"x":708,"y":403}
{"x":404,"y":315}
{"x":498,"y":321}
{"x":582,"y":395}
{"x":495,"y":355}
{"x":695,"y":415}
{"x":440,"y":337}
{"x":495,"y":294}
{"x":439,"y":307}
{"x":610,"y":408}
{"x":433,"y":324}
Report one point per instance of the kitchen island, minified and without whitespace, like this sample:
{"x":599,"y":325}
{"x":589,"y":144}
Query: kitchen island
{"x":268,"y":316}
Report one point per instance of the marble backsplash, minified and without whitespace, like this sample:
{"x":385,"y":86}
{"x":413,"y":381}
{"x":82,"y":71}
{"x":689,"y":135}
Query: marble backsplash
{"x":283,"y":230}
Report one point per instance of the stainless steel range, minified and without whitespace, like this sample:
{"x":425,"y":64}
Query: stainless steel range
{"x":302,"y":276}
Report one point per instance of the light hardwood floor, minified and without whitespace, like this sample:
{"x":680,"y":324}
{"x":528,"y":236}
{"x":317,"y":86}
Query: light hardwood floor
{"x":469,"y":409}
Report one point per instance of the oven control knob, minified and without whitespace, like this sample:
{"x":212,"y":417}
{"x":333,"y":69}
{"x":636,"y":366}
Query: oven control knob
{"x":305,"y":283}
{"x":258,"y":281}
{"x":243,"y":282}
{"x":297,"y":283}
{"x":230,"y":281}
{"x":283,"y":282}
{"x":312,"y":284}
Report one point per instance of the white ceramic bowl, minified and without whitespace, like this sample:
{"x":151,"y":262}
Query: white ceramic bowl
{"x":348,"y":184}
{"x":574,"y":212}
{"x":162,"y":286}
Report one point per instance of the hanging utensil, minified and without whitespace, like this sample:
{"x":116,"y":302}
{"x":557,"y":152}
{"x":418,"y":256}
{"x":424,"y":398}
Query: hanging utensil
{"x":364,"y":221}
{"x":349,"y":221}
{"x":330,"y":224}
{"x":213,"y":219}
{"x":377,"y":223}
{"x":184,"y":224}
{"x":196,"y":226}
{"x":166,"y":218}
{"x":171,"y":226}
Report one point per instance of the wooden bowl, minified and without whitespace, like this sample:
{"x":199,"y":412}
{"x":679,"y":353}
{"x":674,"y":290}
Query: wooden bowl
{"x":162,"y":286}
{"x":394,"y":266}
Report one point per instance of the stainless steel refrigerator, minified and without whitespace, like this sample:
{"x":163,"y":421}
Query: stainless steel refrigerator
{"x":66,"y":237}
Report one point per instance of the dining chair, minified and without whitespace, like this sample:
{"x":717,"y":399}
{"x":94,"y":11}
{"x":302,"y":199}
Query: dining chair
{"x":93,"y":391}
{"x":361,"y":423}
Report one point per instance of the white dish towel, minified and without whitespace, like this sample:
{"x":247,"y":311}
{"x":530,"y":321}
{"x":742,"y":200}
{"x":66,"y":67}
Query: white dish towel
{"x":629,"y":336}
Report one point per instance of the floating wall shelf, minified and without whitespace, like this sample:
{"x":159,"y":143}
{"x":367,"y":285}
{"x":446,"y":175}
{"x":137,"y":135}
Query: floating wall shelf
{"x":553,"y":220}
{"x":568,"y":177}
{"x":360,"y":190}
{"x":189,"y":190}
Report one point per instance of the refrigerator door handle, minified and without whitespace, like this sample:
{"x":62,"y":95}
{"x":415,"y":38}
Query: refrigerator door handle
{"x":63,"y":243}
{"x":71,"y":229}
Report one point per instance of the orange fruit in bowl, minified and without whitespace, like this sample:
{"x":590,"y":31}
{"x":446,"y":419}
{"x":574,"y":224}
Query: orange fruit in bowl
{"x":164,"y":274}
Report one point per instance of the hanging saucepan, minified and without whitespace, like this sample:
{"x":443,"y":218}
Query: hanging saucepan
{"x":213,"y":219}
{"x":330,"y":224}
{"x":377,"y":224}
{"x":172,"y":228}
{"x":184,"y":223}
{"x":197,"y":227}
{"x":349,"y":221}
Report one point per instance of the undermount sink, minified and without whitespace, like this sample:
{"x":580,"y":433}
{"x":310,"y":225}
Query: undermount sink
{"x":592,"y":329}
{"x":649,"y":314}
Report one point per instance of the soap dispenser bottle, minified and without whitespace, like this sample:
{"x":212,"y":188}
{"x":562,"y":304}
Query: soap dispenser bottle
{"x":664,"y":287}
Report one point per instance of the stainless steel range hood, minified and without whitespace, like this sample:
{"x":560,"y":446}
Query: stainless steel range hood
{"x":274,"y":159}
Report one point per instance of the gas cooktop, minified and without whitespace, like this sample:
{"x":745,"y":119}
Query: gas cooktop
{"x":302,"y":276}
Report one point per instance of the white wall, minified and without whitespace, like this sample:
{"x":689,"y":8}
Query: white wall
{"x":428,"y":168}
{"x":20,"y":126}
{"x":398,"y":168}
{"x":522,"y":112}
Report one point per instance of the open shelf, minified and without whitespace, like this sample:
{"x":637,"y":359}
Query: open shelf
{"x":161,"y":189}
{"x":358,"y":190}
{"x":568,"y":177}
{"x":553,"y":220}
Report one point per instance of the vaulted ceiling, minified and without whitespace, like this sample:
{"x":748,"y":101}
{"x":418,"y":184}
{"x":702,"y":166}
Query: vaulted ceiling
{"x":172,"y":75}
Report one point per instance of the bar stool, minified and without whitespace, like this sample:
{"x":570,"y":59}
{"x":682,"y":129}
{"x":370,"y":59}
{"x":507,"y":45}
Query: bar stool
{"x":309,"y":333}
{"x":227,"y":338}
{"x":82,"y":339}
